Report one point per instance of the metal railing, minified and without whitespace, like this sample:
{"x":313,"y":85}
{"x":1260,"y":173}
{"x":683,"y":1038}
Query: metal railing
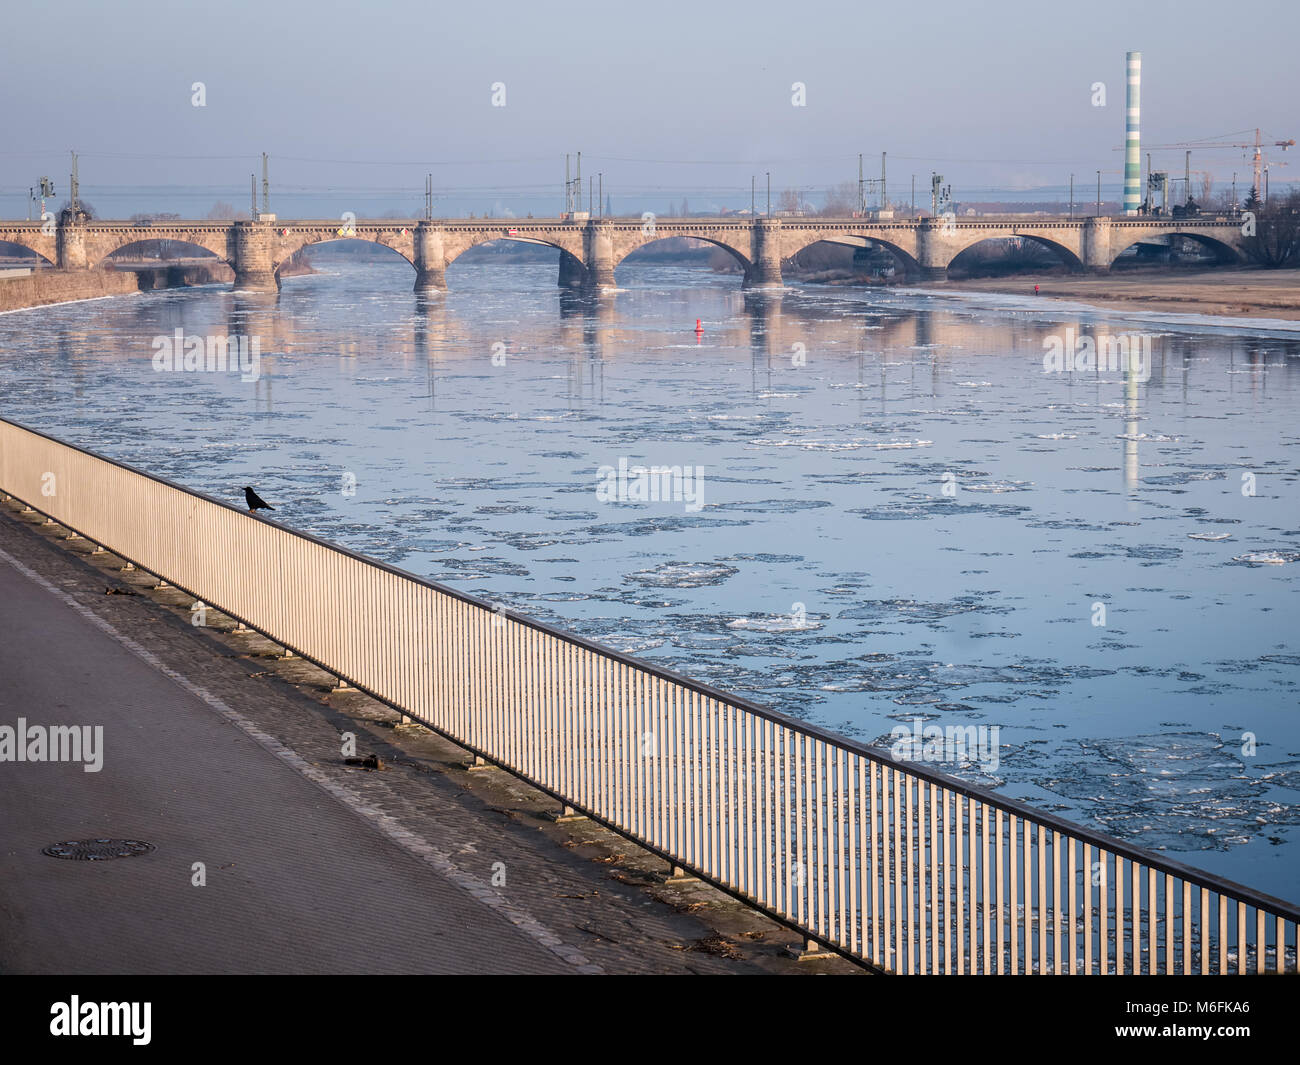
{"x":893,"y":864}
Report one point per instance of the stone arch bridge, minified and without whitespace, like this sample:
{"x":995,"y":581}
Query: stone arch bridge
{"x":590,"y":250}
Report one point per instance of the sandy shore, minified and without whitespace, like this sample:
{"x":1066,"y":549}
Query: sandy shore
{"x":1231,"y":293}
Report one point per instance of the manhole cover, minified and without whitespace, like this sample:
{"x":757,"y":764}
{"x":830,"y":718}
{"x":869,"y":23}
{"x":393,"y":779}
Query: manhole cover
{"x":97,"y":850}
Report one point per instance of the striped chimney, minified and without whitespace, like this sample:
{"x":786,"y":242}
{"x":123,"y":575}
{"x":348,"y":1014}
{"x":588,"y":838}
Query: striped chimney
{"x":1132,"y":138}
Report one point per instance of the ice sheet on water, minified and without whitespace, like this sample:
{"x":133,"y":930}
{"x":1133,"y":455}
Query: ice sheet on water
{"x":1268,"y":558}
{"x":914,"y":612}
{"x":999,"y":486}
{"x":928,"y":507}
{"x":682,"y":575}
{"x":653,"y":526}
{"x":809,"y":445}
{"x":476,"y":568}
{"x":529,"y":541}
{"x":1185,"y":478}
{"x":1177,"y":790}
{"x":772,"y":506}
{"x":782,"y":623}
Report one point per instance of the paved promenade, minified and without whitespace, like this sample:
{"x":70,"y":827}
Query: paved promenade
{"x":311,"y":866}
{"x":296,"y":882}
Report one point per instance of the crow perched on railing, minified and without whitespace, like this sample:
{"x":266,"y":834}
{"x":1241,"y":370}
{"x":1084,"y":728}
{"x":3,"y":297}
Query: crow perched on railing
{"x":255,"y":501}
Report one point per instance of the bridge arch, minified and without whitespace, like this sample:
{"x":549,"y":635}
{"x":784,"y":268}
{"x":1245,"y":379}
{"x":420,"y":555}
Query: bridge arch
{"x":1068,"y":256}
{"x":11,"y":248}
{"x":905,"y":259}
{"x":457,"y":244}
{"x":101,"y":244}
{"x":289,"y":246}
{"x":624,"y":250}
{"x":123,"y":251}
{"x":453,"y":254}
{"x":1224,"y":251}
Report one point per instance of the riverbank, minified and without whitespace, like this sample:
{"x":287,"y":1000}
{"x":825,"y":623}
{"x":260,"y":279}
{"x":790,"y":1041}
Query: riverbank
{"x":43,"y":287}
{"x":1233,"y":293}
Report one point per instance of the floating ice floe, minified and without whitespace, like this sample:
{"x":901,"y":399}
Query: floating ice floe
{"x":683,"y":575}
{"x":999,"y":486}
{"x":1209,"y":536}
{"x":775,"y":623}
{"x":1268,"y":558}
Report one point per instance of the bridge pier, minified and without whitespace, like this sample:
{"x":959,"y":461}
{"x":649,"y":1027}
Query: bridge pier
{"x":1096,"y":245}
{"x":931,"y":253}
{"x":572,"y":272}
{"x":430,"y":259}
{"x":253,"y":261}
{"x":70,"y":242}
{"x":765,"y":255}
{"x":598,"y":250}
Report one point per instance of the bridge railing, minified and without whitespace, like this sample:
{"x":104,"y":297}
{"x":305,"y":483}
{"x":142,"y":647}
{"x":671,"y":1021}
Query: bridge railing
{"x":894,"y":864}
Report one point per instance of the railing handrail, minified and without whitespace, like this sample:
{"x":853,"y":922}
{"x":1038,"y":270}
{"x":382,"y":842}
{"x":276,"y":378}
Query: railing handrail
{"x":1006,"y":804}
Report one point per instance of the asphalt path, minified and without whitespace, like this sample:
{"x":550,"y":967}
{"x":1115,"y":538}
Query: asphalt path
{"x":295,"y":881}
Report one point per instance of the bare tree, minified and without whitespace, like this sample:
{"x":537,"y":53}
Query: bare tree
{"x":1276,"y":242}
{"x":788,"y":201}
{"x":842,"y":200}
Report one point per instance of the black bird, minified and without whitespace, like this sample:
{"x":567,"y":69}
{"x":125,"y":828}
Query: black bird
{"x":255,"y":501}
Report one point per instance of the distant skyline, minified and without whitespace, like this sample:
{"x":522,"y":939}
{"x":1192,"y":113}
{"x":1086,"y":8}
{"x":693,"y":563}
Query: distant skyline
{"x":355,"y":105}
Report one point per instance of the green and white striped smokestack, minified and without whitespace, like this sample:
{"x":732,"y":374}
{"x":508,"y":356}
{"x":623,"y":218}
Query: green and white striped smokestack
{"x":1132,"y":138}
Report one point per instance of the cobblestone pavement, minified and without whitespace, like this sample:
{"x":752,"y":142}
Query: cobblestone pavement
{"x":218,"y":751}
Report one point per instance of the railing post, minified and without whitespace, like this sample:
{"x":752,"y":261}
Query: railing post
{"x":678,"y":875}
{"x":810,"y":951}
{"x":567,"y":814}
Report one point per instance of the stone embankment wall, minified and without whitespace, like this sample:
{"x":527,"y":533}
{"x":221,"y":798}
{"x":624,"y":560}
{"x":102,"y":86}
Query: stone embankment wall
{"x":42,"y":287}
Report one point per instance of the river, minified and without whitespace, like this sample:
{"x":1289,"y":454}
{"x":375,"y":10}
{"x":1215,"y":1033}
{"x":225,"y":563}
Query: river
{"x":898,"y":513}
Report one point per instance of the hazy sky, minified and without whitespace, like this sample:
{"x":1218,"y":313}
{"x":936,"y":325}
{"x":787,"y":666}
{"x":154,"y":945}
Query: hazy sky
{"x":666,"y":99}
